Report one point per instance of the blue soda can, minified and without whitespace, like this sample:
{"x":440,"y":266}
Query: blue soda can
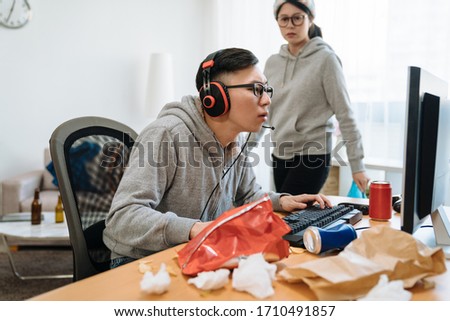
{"x":318,"y":240}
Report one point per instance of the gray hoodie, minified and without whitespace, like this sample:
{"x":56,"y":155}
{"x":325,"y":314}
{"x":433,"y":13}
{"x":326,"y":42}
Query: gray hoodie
{"x":173,"y":169}
{"x":308,"y":90}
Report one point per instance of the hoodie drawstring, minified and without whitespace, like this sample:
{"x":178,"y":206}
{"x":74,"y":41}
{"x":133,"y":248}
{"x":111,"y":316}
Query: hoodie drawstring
{"x":285,"y":71}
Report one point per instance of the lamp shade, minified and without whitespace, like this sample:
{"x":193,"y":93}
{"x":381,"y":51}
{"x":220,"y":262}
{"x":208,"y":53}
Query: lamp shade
{"x":160,"y":87}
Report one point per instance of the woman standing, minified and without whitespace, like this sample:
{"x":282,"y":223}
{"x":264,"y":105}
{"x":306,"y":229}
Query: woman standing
{"x":309,"y":88}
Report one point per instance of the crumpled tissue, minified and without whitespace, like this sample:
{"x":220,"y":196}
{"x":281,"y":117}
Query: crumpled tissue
{"x":158,"y":283}
{"x":387,"y":291}
{"x":211,"y":280}
{"x":254,"y":275}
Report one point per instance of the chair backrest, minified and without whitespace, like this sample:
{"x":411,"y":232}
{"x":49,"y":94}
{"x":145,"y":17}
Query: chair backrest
{"x":89,"y":156}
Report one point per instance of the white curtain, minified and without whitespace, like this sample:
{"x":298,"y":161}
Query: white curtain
{"x":376,"y":41}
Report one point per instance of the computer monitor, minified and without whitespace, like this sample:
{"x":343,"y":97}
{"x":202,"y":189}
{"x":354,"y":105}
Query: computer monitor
{"x":426,"y":170}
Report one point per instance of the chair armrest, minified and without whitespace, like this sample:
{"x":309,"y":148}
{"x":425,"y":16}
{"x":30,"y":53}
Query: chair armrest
{"x":17,"y":188}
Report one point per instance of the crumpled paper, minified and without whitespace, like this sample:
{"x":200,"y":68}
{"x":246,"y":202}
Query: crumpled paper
{"x":387,"y":291}
{"x":158,"y":283}
{"x":211,"y":280}
{"x":356,"y":270}
{"x":254,"y":275}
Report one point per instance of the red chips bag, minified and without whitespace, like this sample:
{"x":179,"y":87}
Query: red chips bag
{"x":248,"y":229}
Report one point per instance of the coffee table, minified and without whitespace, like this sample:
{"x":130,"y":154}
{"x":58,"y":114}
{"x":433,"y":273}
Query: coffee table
{"x":47,"y":231}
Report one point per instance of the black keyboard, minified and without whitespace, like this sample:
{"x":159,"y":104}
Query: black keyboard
{"x":315,"y":216}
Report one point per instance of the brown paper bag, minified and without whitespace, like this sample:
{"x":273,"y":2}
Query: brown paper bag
{"x":354,"y":271}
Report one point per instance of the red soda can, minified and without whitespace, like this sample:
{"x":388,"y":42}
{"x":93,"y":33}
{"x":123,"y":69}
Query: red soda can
{"x":380,"y":201}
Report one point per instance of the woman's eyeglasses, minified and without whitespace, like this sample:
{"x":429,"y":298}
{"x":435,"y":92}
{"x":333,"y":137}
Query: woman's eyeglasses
{"x":297,"y":20}
{"x":258,"y":88}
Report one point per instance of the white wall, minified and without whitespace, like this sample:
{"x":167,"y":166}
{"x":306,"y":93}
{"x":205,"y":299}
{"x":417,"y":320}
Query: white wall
{"x":88,"y":57}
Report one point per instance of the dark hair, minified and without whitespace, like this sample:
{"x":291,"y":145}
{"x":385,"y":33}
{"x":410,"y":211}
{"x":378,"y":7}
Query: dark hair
{"x":225,"y":61}
{"x":314,"y":30}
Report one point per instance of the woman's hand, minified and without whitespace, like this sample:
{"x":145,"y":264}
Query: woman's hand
{"x":361,"y":180}
{"x":290,"y":203}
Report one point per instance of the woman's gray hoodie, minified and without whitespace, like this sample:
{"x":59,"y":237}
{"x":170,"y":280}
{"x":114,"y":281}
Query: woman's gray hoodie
{"x":309,"y":89}
{"x":173,"y":169}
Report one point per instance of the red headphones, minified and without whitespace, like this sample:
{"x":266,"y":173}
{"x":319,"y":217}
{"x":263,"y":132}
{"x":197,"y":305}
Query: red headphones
{"x":213,"y":95}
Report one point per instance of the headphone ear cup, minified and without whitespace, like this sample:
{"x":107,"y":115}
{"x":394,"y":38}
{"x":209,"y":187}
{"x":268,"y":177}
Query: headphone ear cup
{"x":217,"y":102}
{"x":208,"y":101}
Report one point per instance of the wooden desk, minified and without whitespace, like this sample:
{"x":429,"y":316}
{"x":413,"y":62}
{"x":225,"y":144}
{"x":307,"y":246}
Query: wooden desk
{"x":123,"y":283}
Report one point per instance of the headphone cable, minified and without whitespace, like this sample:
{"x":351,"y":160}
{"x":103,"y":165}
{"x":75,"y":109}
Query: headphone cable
{"x":226,"y":172}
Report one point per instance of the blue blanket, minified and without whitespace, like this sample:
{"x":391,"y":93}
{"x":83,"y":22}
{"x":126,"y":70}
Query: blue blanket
{"x":79,"y":156}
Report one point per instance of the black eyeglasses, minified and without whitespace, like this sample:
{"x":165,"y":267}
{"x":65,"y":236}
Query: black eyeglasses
{"x":297,"y":20}
{"x":258,"y":88}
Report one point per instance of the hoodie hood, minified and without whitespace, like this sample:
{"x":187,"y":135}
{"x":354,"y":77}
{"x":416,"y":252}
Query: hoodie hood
{"x":187,"y":113}
{"x":312,"y":47}
{"x":185,"y":119}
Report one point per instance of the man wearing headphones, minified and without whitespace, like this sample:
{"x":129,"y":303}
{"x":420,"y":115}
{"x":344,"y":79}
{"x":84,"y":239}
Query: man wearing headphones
{"x":188,"y":166}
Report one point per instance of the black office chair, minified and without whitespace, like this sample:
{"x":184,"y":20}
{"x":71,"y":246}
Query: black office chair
{"x":89,"y":156}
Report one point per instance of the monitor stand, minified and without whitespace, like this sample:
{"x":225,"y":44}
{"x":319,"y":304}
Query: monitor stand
{"x":441,"y":227}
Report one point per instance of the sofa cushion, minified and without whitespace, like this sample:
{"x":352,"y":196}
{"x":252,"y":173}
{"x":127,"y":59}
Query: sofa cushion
{"x":48,"y":199}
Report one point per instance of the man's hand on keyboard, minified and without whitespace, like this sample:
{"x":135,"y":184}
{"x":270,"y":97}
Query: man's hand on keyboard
{"x":298,"y":202}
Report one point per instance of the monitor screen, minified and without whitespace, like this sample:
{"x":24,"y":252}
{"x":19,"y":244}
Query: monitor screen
{"x":426,"y":170}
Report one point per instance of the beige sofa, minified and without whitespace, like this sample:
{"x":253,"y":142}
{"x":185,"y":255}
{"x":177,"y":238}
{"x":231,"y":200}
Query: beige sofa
{"x":18,"y":191}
